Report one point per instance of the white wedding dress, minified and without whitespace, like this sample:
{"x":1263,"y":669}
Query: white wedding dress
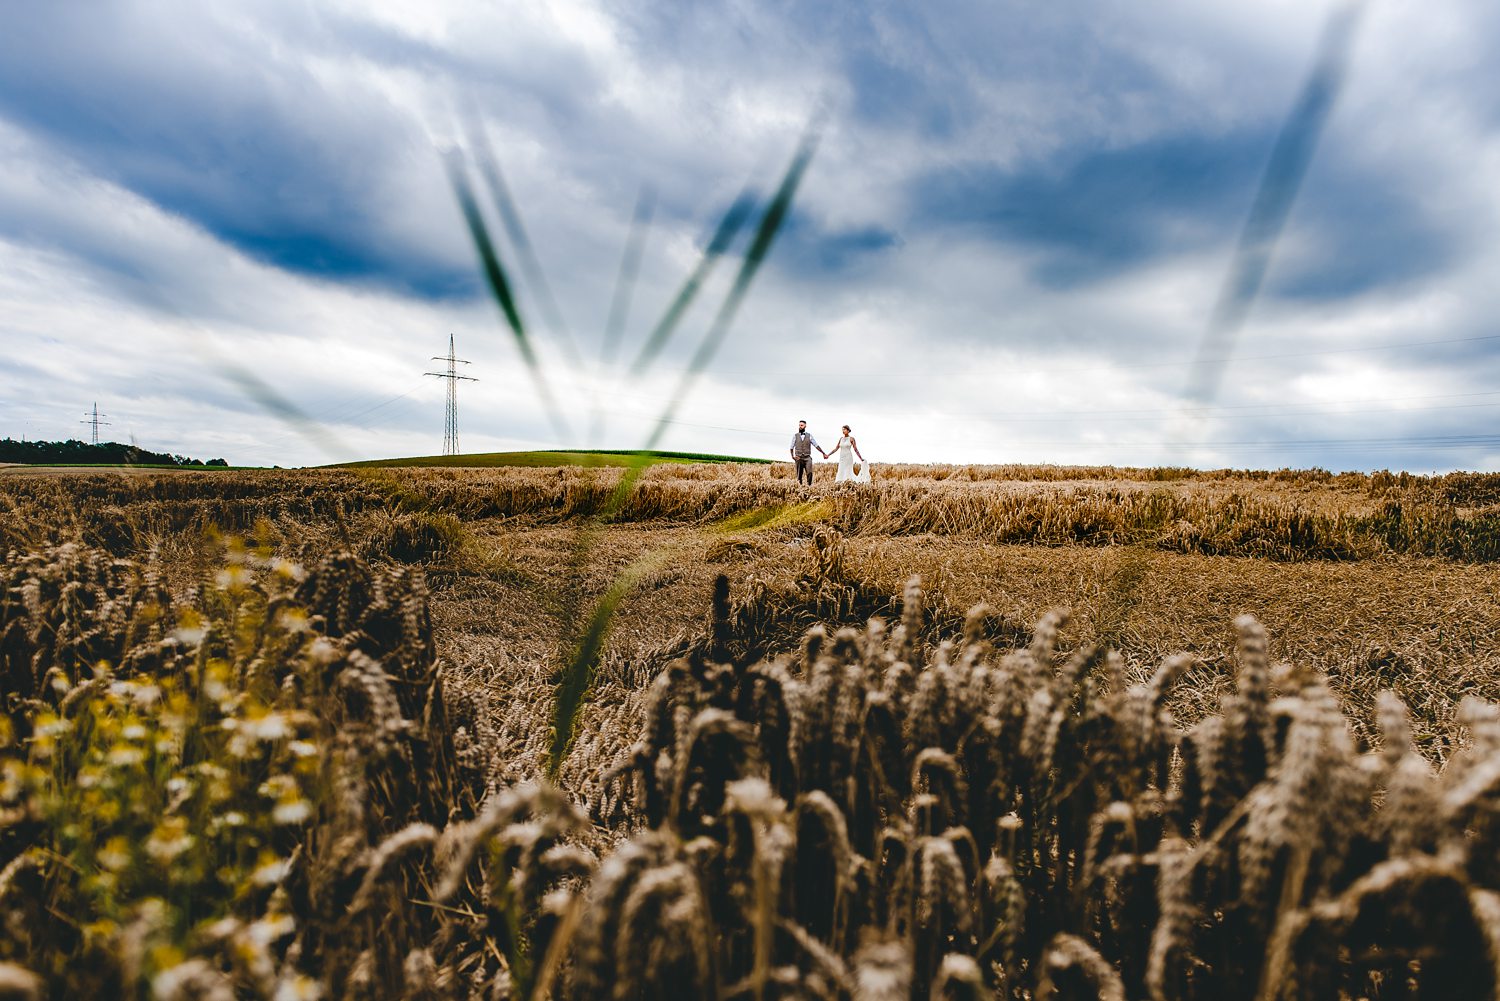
{"x":845,"y":449}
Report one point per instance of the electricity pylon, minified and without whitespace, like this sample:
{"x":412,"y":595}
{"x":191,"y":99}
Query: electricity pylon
{"x":94,"y":423}
{"x":450,"y":421}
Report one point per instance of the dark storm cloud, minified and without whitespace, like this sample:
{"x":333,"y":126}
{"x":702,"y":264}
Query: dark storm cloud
{"x":1368,"y":231}
{"x":1041,"y":199}
{"x":211,"y":124}
{"x":816,"y":253}
{"x":925,"y":70}
{"x":1090,"y":214}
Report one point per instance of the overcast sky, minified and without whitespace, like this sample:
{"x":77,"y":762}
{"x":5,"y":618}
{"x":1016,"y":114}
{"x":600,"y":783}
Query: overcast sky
{"x":1007,"y":247}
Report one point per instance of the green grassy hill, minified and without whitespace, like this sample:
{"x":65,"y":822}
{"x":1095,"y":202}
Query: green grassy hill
{"x":559,"y":457}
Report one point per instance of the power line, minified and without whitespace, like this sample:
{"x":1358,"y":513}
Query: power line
{"x":340,"y":414}
{"x":450,"y":416}
{"x":350,"y":418}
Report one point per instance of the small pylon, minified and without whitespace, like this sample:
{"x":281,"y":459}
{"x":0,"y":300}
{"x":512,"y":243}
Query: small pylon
{"x":450,"y":420}
{"x":95,"y":423}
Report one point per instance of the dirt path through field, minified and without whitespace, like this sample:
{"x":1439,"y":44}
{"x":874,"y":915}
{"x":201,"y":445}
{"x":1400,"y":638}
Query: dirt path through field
{"x":1422,"y":627}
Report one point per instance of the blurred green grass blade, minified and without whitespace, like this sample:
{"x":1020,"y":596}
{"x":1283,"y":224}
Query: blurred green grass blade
{"x":729,"y":228}
{"x":254,"y":388}
{"x":578,"y":673}
{"x":619,"y":307}
{"x":630,"y":268}
{"x":510,"y":217}
{"x":578,"y":677}
{"x":1279,"y":185}
{"x":765,"y":236}
{"x":499,"y":285}
{"x":489,"y":258}
{"x":268,"y":399}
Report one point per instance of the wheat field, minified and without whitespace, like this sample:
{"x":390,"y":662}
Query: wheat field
{"x":997,"y":732}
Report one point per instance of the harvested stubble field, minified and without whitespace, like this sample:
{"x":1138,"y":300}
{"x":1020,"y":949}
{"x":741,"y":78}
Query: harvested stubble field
{"x":351,"y":734}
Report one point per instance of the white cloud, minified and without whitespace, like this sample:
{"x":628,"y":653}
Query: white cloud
{"x":127,"y":265}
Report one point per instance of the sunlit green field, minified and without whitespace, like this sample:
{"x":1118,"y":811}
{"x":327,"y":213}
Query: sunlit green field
{"x":561,"y":457}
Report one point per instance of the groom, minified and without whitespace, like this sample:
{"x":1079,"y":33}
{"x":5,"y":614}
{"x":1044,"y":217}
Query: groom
{"x":802,"y":446}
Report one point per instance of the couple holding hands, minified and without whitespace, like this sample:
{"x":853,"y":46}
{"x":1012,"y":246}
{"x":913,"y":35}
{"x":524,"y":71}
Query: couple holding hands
{"x":803,"y":444}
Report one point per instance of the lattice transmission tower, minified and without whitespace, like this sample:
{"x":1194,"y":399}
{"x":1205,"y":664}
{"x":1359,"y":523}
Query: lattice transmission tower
{"x":92,"y":419}
{"x":450,"y":420}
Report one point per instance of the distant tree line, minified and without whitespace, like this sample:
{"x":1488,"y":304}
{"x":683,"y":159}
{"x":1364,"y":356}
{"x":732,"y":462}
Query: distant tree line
{"x":72,"y":453}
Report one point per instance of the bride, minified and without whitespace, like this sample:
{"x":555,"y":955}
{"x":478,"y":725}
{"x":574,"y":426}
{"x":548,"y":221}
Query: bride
{"x":848,"y":448}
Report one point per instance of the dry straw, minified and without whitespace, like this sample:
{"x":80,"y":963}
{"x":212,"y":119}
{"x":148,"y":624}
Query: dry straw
{"x":925,"y":811}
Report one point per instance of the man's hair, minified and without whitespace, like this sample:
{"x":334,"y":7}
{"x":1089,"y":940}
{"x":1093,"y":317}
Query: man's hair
{"x":802,"y":422}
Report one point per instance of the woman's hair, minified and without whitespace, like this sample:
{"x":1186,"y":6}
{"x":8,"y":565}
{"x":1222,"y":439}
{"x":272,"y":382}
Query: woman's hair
{"x":846,"y":429}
